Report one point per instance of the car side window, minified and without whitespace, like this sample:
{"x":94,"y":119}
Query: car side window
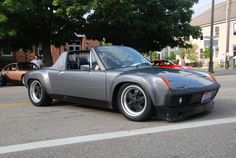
{"x":94,"y":63}
{"x":7,"y":68}
{"x":78,"y":61}
{"x":27,"y":66}
{"x":10,"y":67}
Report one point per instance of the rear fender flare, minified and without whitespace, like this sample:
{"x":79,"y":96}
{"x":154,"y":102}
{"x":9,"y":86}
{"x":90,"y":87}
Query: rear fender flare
{"x":43,"y":77}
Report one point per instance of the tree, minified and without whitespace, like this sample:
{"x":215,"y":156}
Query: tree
{"x":153,"y":55}
{"x":206,"y":53}
{"x":25,"y":23}
{"x":189,"y":53}
{"x":147,"y":25}
{"x":171,"y":56}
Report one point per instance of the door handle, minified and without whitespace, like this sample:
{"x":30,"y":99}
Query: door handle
{"x":61,"y":72}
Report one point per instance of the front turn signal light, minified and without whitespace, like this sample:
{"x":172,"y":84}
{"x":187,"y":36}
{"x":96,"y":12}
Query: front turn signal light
{"x":167,"y":83}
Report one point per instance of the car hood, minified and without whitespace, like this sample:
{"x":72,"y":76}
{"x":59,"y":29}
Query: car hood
{"x":178,"y":78}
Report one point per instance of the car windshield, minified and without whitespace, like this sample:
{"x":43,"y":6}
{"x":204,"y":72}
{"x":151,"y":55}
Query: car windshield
{"x":114,"y":57}
{"x":168,"y":62}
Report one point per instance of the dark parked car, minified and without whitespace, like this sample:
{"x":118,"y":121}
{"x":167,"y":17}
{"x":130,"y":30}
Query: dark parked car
{"x":16,"y":72}
{"x":119,"y":77}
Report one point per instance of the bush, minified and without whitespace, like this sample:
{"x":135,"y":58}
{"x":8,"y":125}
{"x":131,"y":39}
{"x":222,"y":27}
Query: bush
{"x":195,"y":64}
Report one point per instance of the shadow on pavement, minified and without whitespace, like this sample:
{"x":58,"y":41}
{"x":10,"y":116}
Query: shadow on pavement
{"x":62,"y":103}
{"x":12,"y":85}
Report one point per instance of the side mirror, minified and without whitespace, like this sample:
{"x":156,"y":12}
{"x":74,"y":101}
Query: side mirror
{"x":85,"y":67}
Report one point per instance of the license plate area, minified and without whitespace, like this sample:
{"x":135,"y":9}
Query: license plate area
{"x":206,"y":97}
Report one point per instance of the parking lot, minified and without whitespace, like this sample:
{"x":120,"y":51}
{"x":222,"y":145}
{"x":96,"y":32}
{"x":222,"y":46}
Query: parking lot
{"x":73,"y":130}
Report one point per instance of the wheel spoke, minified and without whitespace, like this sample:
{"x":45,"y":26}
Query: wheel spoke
{"x":130,"y":96}
{"x":130,"y":104}
{"x":134,"y":107}
{"x":138,"y":107}
{"x":38,"y":95}
{"x":136,"y":92}
{"x":141,"y":100}
{"x":37,"y":88}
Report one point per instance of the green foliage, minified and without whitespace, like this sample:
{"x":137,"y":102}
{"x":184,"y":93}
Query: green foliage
{"x":144,"y":24}
{"x":171,"y":57}
{"x":189,"y":53}
{"x":153,"y":55}
{"x":206,"y":53}
{"x":24,"y":23}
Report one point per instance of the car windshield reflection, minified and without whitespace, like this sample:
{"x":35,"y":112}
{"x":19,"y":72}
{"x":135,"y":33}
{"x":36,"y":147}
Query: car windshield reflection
{"x":121,"y":57}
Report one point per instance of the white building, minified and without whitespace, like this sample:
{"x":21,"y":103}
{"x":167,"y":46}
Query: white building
{"x":220,"y":33}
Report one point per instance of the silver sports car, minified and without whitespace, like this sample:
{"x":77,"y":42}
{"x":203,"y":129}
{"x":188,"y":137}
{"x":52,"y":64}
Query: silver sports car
{"x":119,"y":77}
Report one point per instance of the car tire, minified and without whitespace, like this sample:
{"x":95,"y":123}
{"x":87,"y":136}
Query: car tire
{"x":134,"y":102}
{"x":23,"y":80}
{"x":4,"y":81}
{"x":37,"y":94}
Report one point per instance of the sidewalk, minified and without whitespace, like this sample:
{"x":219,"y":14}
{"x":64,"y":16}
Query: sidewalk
{"x":220,"y":72}
{"x":225,"y":72}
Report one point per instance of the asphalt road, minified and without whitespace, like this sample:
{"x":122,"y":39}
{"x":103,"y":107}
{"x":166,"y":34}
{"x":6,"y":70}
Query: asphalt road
{"x":72,"y":130}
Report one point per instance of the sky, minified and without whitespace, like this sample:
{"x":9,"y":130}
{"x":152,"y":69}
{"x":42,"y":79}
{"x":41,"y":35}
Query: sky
{"x":203,"y":5}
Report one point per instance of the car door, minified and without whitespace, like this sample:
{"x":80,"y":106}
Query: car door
{"x":87,"y":80}
{"x":9,"y":72}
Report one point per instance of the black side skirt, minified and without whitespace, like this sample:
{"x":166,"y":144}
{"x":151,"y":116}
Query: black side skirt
{"x":82,"y":101}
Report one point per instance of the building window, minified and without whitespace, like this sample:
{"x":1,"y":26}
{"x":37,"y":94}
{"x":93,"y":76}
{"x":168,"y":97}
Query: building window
{"x":217,"y":31}
{"x":74,"y":45}
{"x":234,"y":50}
{"x":6,"y":52}
{"x":234,"y":29}
{"x":201,"y":54}
{"x":216,"y":52}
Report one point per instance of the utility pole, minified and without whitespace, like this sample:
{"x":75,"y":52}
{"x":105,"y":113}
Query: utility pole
{"x":228,"y":16}
{"x":210,"y":69}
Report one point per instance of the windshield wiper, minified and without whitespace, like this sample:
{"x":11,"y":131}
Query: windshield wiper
{"x":143,"y":64}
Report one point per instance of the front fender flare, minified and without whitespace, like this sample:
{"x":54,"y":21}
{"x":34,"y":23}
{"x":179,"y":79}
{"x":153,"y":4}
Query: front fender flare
{"x":148,"y":84}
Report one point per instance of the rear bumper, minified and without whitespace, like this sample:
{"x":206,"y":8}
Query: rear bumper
{"x":180,"y":112}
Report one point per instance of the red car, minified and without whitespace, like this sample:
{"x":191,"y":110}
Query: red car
{"x":168,"y":64}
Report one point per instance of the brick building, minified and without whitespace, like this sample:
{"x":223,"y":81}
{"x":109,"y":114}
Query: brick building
{"x":81,"y":43}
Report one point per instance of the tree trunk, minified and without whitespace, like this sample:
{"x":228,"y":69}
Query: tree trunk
{"x":46,"y":48}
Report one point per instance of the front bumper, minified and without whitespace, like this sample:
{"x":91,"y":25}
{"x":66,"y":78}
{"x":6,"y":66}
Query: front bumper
{"x":180,"y":112}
